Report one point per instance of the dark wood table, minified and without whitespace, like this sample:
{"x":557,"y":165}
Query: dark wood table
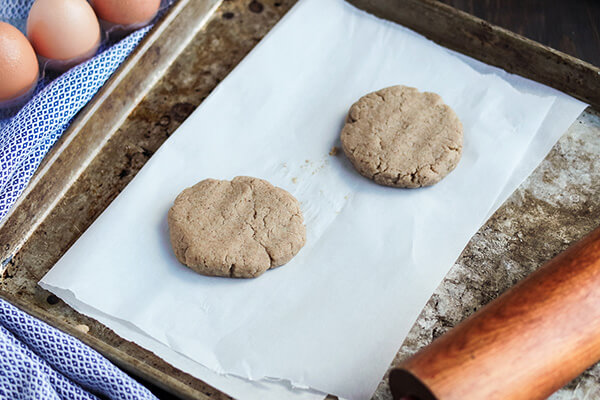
{"x":571,"y":26}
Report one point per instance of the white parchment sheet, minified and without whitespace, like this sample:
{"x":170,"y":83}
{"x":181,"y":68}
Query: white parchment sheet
{"x":333,"y":318}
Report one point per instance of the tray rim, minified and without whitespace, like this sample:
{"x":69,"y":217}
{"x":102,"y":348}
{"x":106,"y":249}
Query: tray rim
{"x":123,"y":359}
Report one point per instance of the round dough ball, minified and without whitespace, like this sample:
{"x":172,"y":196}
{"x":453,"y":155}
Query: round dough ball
{"x":238,"y":228}
{"x":401,"y":137}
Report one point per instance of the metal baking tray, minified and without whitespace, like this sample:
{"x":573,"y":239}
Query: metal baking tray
{"x":195,"y":46}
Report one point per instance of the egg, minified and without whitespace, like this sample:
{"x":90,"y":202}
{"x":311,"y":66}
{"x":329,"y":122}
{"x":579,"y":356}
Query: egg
{"x":63,"y":32}
{"x":18,"y":66}
{"x":125,"y":15}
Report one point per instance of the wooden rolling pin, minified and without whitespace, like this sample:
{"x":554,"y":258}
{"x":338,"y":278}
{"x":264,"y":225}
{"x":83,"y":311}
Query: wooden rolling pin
{"x":524,"y":345}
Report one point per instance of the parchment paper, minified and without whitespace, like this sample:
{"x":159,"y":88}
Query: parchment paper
{"x":234,"y":386}
{"x":333,"y":318}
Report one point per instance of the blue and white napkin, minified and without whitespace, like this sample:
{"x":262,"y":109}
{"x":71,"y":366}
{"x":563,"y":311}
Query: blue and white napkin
{"x":40,"y":362}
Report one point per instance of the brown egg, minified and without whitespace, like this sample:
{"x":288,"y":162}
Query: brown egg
{"x":18,"y":66}
{"x":63,"y":32}
{"x":126,"y":12}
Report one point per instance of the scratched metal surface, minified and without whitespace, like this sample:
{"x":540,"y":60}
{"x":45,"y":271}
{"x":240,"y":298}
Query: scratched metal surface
{"x":70,"y":191}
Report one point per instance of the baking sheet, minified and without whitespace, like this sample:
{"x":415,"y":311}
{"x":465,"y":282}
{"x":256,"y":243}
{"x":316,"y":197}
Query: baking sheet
{"x":332,"y":318}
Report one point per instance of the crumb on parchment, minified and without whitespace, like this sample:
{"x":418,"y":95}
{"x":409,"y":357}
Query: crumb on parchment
{"x":334,"y":151}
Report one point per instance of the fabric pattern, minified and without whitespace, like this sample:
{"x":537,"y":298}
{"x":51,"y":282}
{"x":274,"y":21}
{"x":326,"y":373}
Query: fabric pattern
{"x":40,"y":362}
{"x":15,"y":12}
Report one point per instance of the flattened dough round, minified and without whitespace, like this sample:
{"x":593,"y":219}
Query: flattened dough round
{"x":401,"y":137}
{"x":237,"y":228}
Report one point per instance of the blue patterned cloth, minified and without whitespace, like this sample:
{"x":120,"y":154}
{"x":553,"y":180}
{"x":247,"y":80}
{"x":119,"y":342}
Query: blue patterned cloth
{"x":42,"y":363}
{"x":26,"y":137}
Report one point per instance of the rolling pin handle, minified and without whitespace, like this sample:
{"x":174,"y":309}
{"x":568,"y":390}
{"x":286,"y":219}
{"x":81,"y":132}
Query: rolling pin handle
{"x":524,"y":345}
{"x":405,"y":386}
